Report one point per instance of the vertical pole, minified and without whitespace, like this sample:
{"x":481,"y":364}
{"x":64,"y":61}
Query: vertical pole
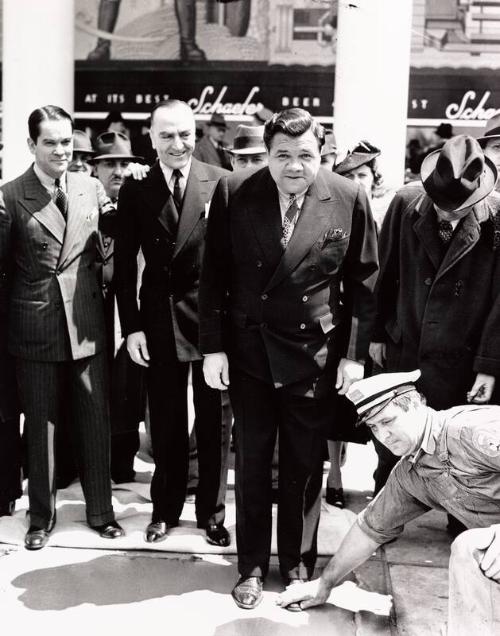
{"x":372,"y":78}
{"x":37,"y":69}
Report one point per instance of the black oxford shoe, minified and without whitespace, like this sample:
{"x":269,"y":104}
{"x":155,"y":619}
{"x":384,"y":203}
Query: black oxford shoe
{"x":216,"y":534}
{"x":111,"y":530}
{"x":36,"y":538}
{"x":157,"y":531}
{"x":247,"y":593}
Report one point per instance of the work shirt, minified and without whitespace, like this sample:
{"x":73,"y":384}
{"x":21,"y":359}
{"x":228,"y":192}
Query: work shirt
{"x":456,"y":470}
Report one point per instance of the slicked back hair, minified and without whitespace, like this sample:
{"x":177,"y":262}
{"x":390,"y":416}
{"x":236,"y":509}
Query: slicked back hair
{"x":45,"y":113}
{"x":168,"y":103}
{"x":293,"y":122}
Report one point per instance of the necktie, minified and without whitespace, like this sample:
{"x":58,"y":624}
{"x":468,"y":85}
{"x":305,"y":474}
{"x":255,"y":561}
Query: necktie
{"x":288,"y":220}
{"x":177,"y":174}
{"x":445,"y":231}
{"x":60,"y":198}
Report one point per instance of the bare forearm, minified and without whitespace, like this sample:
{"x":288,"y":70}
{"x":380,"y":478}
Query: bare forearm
{"x":355,"y":549}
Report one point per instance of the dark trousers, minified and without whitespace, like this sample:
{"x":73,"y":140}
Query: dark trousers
{"x":260,"y":411}
{"x":10,"y":460}
{"x":168,"y":405}
{"x":46,"y":389}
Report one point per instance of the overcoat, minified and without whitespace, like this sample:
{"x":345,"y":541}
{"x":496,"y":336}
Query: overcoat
{"x":276,"y":313}
{"x":440,"y":311}
{"x":205,"y":151}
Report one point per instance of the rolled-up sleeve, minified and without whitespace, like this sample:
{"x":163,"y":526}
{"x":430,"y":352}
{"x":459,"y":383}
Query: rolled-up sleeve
{"x":385,"y":517}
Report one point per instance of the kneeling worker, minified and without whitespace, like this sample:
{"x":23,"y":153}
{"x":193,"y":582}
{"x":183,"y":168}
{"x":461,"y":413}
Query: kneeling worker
{"x":450,"y":462}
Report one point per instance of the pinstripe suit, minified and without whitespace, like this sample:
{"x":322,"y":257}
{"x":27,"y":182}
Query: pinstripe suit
{"x":56,"y":333}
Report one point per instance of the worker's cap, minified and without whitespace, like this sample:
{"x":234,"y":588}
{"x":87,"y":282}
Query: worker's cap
{"x":370,"y":392}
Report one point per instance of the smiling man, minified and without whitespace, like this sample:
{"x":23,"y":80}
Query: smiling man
{"x":49,"y":221}
{"x":281,"y":241}
{"x":450,"y":461}
{"x":165,"y":216}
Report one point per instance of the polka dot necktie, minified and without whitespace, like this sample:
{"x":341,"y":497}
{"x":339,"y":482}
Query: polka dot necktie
{"x":60,"y":198}
{"x":445,"y":231}
{"x":289,"y":220}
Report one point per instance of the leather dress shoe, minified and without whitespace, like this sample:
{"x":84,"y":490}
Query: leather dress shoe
{"x":335,"y":497}
{"x":111,"y":530}
{"x":247,"y":593}
{"x":191,"y":52}
{"x":216,"y":534}
{"x":294,"y":607}
{"x":36,"y":538}
{"x":157,"y":530}
{"x":7,"y":508}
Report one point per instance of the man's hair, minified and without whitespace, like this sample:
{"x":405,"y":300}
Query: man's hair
{"x":45,"y":113}
{"x":167,"y":103}
{"x":293,"y":122}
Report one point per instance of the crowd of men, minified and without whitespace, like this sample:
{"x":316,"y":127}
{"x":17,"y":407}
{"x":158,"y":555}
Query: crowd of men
{"x":255,"y":272}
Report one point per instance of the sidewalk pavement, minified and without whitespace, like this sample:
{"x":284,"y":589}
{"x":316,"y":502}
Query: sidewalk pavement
{"x":77,"y":591}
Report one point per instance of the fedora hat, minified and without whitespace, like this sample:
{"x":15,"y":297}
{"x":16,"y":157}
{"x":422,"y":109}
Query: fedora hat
{"x":444,"y":130}
{"x":362,"y":153}
{"x":113,"y":145}
{"x":491,"y":131}
{"x":248,"y":140}
{"x":217,"y":120}
{"x":458,"y":175}
{"x":82,"y":143}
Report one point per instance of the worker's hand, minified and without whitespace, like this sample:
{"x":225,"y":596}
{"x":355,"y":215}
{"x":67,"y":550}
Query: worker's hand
{"x":138,"y":349}
{"x":490,"y":561}
{"x":482,"y":389}
{"x":377,"y":353}
{"x":137,"y":171}
{"x":306,"y":594}
{"x":348,"y":371}
{"x":216,"y":370}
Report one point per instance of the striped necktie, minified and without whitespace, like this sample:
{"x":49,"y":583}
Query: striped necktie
{"x":60,"y":198}
{"x":289,"y":220}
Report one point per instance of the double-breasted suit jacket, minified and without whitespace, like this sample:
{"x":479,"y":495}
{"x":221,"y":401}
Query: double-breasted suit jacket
{"x":55,"y":305}
{"x":438,"y":310}
{"x":56,"y":332}
{"x":172,"y":244}
{"x":276,"y":313}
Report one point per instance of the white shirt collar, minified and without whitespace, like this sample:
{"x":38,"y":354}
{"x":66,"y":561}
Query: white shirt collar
{"x":47,"y":181}
{"x":284,"y":199}
{"x":453,"y":223}
{"x":168,"y":172}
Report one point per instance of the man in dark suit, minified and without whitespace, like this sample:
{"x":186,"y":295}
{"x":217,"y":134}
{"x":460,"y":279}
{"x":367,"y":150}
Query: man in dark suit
{"x":48,"y":231}
{"x":210,"y":149}
{"x":165,"y":215}
{"x":281,"y":241}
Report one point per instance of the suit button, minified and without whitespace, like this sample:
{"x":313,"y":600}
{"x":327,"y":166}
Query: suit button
{"x":106,"y":243}
{"x":58,"y":272}
{"x":264,"y":296}
{"x":45,"y":246}
{"x":302,"y":325}
{"x":428,"y":282}
{"x":156,"y":239}
{"x":259,"y":264}
{"x":104,"y":286}
{"x":305,"y":299}
{"x":263,"y":325}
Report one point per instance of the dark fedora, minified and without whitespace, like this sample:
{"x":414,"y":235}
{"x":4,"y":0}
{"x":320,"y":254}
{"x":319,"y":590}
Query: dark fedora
{"x":458,"y":175}
{"x":82,"y":143}
{"x":248,"y":140}
{"x":113,"y":145}
{"x":217,"y":120}
{"x":362,"y":153}
{"x":444,"y":130}
{"x":491,"y":131}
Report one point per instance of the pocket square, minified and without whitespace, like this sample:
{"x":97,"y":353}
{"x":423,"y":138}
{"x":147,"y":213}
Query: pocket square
{"x":334,"y":234}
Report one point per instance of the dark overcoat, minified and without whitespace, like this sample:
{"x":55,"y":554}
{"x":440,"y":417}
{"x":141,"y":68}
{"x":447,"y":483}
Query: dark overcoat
{"x":276,"y":313}
{"x":439,"y":311}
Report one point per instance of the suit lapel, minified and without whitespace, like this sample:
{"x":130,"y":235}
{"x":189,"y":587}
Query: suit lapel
{"x":40,"y":205}
{"x":198,"y":192}
{"x":265,"y":218}
{"x":158,"y":197}
{"x":465,"y":237}
{"x":314,"y":219}
{"x":76,"y":217}
{"x":425,"y":227}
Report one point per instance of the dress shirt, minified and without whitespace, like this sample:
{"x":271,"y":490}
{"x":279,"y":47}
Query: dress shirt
{"x":49,"y":183}
{"x":168,"y":173}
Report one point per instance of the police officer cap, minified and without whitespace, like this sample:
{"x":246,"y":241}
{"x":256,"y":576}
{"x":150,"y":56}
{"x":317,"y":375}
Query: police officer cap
{"x":369,"y":392}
